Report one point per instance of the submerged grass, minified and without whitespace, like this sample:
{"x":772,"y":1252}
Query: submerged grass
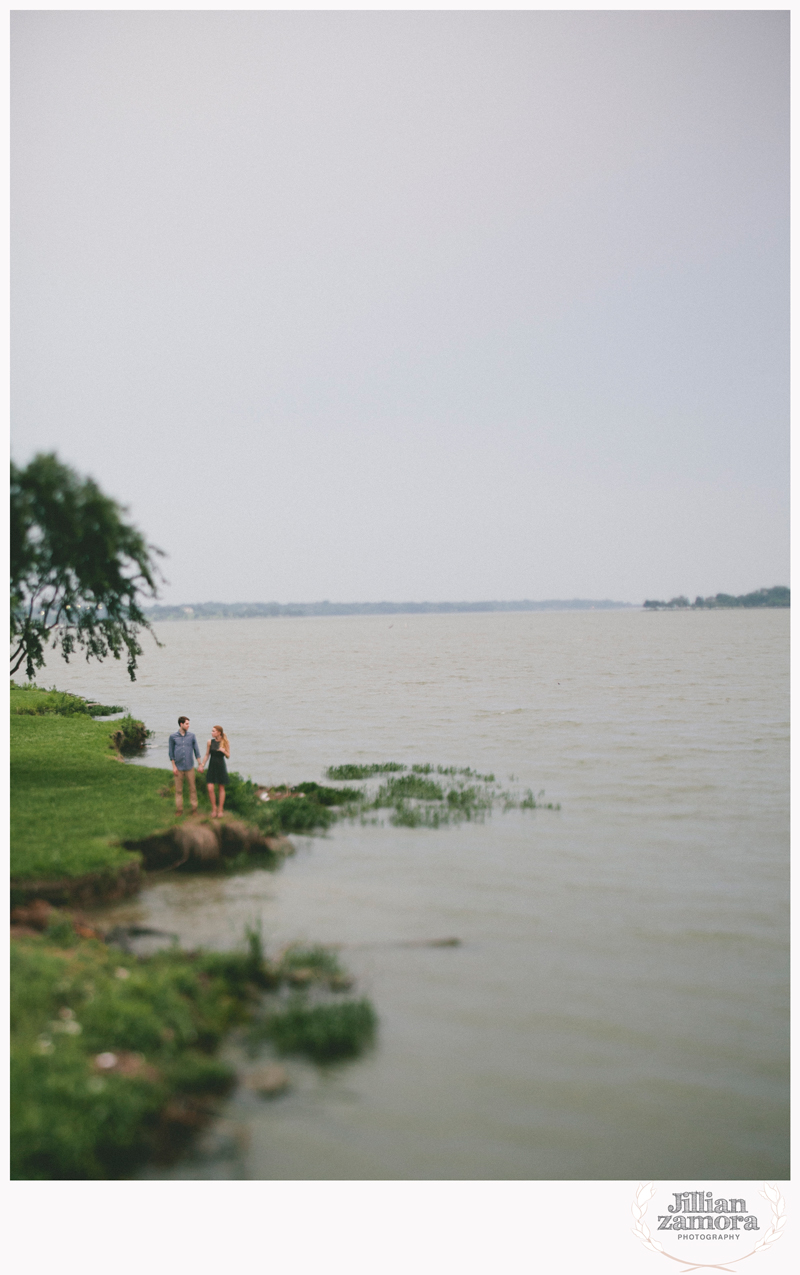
{"x":350,"y":771}
{"x":417,"y":800}
{"x":407,"y":786}
{"x":324,"y":1033}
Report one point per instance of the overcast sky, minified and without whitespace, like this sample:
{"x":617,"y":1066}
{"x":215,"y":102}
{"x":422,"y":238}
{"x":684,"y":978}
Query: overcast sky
{"x":411,"y":305}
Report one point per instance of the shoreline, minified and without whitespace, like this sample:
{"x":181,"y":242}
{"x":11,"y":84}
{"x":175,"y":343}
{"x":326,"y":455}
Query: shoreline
{"x":113,"y":1053}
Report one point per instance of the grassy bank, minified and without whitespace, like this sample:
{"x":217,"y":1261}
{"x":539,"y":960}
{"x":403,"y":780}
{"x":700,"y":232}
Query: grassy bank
{"x":72,"y":801}
{"x":113,"y":1055}
{"x":74,"y":807}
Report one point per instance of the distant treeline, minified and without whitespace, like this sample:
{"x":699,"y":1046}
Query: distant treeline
{"x":775,"y":597}
{"x":248,"y":610}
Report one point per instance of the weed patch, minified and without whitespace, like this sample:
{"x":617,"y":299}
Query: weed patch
{"x":130,"y":736}
{"x":363,"y":772}
{"x":324,"y":1033}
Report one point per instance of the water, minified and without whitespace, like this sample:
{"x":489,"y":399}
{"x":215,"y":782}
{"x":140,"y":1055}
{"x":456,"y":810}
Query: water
{"x":618,"y":1007}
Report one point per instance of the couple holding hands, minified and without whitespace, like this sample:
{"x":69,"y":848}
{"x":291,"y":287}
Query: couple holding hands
{"x":182,"y":752}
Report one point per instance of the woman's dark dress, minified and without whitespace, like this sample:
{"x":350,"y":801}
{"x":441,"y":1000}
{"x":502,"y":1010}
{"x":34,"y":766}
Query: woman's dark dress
{"x":217,"y":772}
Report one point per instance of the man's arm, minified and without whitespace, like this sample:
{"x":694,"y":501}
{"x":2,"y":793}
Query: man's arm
{"x":171,"y":748}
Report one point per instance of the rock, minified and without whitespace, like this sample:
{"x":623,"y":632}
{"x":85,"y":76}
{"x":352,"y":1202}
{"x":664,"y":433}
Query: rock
{"x":197,"y":841}
{"x":340,"y":982}
{"x":223,"y":1140}
{"x":301,"y":976}
{"x":85,"y":930}
{"x":118,"y":937}
{"x":269,"y":1081}
{"x":125,"y":1063}
{"x":279,"y":845}
{"x":36,"y":915}
{"x":236,"y":836}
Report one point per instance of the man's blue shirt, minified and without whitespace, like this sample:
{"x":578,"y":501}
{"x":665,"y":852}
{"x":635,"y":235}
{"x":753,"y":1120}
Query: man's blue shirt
{"x":183,"y":750}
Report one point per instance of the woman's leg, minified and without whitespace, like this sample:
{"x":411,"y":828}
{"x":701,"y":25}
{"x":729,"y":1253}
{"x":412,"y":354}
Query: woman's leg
{"x":221,"y":798}
{"x":212,"y":799}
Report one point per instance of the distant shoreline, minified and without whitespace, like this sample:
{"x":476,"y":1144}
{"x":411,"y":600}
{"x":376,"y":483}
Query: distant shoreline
{"x":778,"y":596}
{"x":255,"y":610}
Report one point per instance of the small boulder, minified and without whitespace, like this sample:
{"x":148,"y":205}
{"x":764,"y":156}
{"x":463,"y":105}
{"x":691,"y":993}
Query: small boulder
{"x":197,"y":841}
{"x":36,"y":915}
{"x":268,"y":1081}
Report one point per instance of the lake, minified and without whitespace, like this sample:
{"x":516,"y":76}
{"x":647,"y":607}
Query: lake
{"x":618,"y":1006}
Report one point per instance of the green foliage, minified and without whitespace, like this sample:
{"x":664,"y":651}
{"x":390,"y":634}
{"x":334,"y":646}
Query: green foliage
{"x":77,"y":569}
{"x":312,"y":965}
{"x":323,"y":1032}
{"x":363,"y":772}
{"x":294,"y":814}
{"x":319,"y":958}
{"x":417,"y":801}
{"x":529,"y":802}
{"x":308,"y":811}
{"x":406,"y":786}
{"x":777,"y":596}
{"x":130,"y":736}
{"x":160,"y":1017}
{"x":59,"y":931}
{"x":37,"y":702}
{"x":241,"y":795}
{"x":330,"y":796}
{"x":103,"y":1043}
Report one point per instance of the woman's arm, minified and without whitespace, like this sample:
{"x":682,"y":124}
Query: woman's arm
{"x":205,"y":759}
{"x":226,"y":748}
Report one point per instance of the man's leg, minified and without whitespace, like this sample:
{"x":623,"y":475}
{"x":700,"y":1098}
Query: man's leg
{"x":192,"y":789}
{"x":179,"y":792}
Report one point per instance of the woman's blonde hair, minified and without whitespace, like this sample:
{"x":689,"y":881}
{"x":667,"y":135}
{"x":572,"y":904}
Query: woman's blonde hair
{"x":224,"y":739}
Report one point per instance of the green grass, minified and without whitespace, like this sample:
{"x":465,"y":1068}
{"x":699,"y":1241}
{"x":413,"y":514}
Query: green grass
{"x":407,"y":786}
{"x":76,"y":1002}
{"x":324,"y":1032}
{"x":330,"y":796}
{"x":72,"y":1004}
{"x":130,"y":736}
{"x":71,"y":799}
{"x":350,"y":771}
{"x":35,"y":700}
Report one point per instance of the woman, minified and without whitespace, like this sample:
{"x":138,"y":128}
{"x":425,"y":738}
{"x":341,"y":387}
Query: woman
{"x":218,"y":749}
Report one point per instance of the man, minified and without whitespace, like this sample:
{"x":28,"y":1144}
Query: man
{"x":182,"y":752}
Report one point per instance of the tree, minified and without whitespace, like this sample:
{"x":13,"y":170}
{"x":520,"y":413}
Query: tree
{"x":77,"y":568}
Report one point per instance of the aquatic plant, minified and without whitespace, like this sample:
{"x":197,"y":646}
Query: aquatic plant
{"x":305,"y":966}
{"x":466,"y":771}
{"x":407,"y":786}
{"x":330,"y":796}
{"x":529,"y":802}
{"x":363,"y":772}
{"x":323,"y":1032}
